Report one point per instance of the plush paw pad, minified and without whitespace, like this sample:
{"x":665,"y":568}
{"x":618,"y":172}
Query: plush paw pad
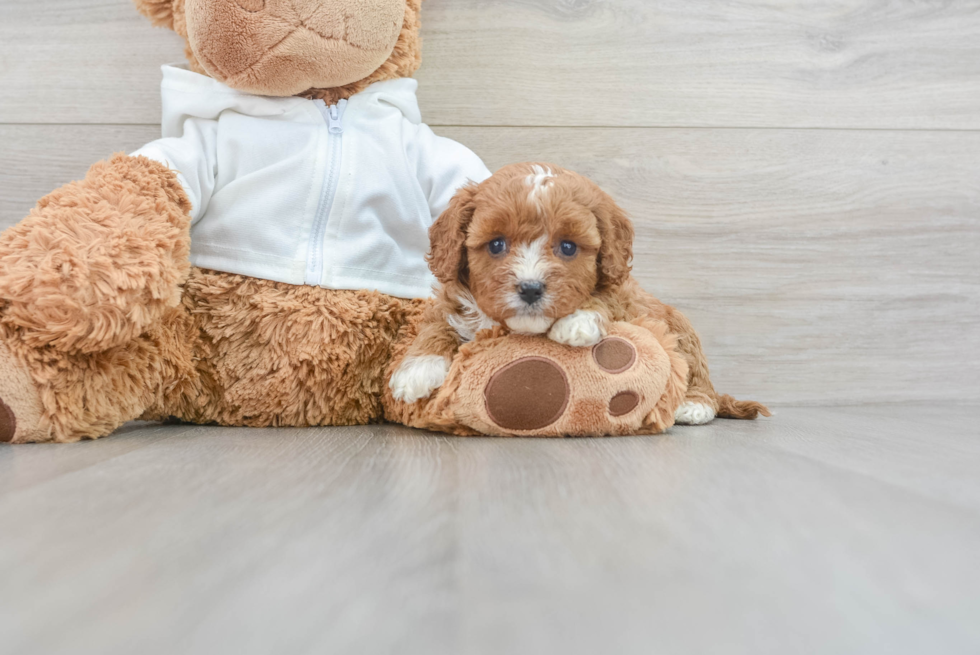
{"x":623,"y":403}
{"x":614,"y":355}
{"x":20,"y":405}
{"x":521,"y":385}
{"x":8,"y":423}
{"x":530,"y":394}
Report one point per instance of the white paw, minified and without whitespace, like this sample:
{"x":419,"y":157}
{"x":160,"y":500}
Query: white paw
{"x":583,"y":328}
{"x":418,"y":377}
{"x":694,"y":414}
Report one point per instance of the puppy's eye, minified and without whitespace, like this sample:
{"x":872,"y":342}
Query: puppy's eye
{"x":568,"y":248}
{"x":497,"y":246}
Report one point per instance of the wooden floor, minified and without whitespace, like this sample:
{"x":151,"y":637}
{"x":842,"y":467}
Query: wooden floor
{"x":848,"y":530}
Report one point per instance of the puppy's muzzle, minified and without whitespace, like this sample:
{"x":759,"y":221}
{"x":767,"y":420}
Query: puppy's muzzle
{"x":531,"y":292}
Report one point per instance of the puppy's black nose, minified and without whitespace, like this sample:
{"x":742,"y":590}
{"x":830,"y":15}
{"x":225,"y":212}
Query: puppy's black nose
{"x":531,"y":292}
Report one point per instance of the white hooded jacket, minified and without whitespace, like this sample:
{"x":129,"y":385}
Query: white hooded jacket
{"x":291,"y":190}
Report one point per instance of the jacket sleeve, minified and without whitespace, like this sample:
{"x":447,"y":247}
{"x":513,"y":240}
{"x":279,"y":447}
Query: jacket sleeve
{"x":444,"y":166}
{"x":193,"y":156}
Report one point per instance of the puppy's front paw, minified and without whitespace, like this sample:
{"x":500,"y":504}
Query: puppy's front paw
{"x":417,"y":377}
{"x":581,"y":329}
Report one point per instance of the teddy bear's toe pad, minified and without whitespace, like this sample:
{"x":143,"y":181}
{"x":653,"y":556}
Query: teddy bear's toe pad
{"x":20,"y":406}
{"x":8,"y":423}
{"x":614,"y":355}
{"x":623,"y":403}
{"x":530,"y":394}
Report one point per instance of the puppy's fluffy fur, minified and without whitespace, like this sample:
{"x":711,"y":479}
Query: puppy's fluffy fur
{"x":542,"y":250}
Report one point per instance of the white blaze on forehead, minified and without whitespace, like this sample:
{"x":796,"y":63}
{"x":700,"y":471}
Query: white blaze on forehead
{"x":540,"y":176}
{"x":530,"y":264}
{"x":538,"y":181}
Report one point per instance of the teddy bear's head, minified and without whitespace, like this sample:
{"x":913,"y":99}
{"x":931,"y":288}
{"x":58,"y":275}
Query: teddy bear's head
{"x":326,"y":49}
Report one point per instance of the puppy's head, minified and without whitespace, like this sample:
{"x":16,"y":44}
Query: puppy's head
{"x":532,"y":244}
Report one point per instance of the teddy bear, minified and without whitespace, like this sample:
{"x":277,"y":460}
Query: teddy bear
{"x":263,"y":264}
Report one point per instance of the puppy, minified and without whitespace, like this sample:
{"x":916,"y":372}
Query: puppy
{"x":542,"y":250}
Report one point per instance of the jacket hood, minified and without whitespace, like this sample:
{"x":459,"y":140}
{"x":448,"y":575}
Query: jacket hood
{"x":186,"y":93}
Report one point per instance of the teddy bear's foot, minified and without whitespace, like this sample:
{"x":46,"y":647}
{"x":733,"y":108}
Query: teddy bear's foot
{"x":631,"y":382}
{"x":609,"y":389}
{"x":20,"y":405}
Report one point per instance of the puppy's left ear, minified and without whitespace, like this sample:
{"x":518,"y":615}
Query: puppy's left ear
{"x":616,"y":253}
{"x":447,"y":236}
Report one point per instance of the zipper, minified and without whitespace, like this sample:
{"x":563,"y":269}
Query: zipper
{"x":334,"y":117}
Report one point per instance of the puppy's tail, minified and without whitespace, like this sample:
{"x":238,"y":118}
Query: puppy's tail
{"x":748,"y":410}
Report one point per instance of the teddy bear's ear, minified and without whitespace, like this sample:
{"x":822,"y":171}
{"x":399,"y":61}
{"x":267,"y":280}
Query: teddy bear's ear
{"x":161,"y":12}
{"x":447,"y":255}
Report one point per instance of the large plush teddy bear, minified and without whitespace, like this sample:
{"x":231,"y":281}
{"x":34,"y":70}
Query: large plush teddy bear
{"x":263,"y":263}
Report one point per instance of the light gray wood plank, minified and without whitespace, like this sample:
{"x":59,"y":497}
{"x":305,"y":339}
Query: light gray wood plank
{"x":933,"y":450}
{"x":27,"y":467}
{"x":780,"y":535}
{"x":238,"y":541}
{"x":713,"y":541}
{"x":820,"y":266}
{"x":39,"y":159}
{"x":81,"y":61}
{"x":772,"y":63}
{"x":782,"y":63}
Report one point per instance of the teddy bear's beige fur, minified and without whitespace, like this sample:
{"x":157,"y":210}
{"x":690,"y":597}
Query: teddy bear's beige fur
{"x":103,"y":320}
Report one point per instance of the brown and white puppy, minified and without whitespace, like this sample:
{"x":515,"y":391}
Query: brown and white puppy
{"x":542,"y":250}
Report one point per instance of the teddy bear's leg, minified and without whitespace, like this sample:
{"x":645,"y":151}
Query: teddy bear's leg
{"x":631,"y":382}
{"x":87,"y":283}
{"x":273,"y":354}
{"x":52,"y":395}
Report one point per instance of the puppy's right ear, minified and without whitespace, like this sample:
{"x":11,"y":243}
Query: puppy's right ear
{"x":161,"y":12}
{"x":447,"y":236}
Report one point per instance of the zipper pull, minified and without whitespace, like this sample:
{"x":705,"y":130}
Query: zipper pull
{"x":335,"y":117}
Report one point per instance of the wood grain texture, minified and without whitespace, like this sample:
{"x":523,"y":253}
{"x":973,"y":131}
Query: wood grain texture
{"x":37,"y":159}
{"x":820,"y":530}
{"x":766,"y":63}
{"x":820,"y":266}
{"x":771,"y":63}
{"x":81,"y":61}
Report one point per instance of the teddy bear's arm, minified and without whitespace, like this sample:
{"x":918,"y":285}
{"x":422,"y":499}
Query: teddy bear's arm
{"x":192,"y":156}
{"x":98,"y":260}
